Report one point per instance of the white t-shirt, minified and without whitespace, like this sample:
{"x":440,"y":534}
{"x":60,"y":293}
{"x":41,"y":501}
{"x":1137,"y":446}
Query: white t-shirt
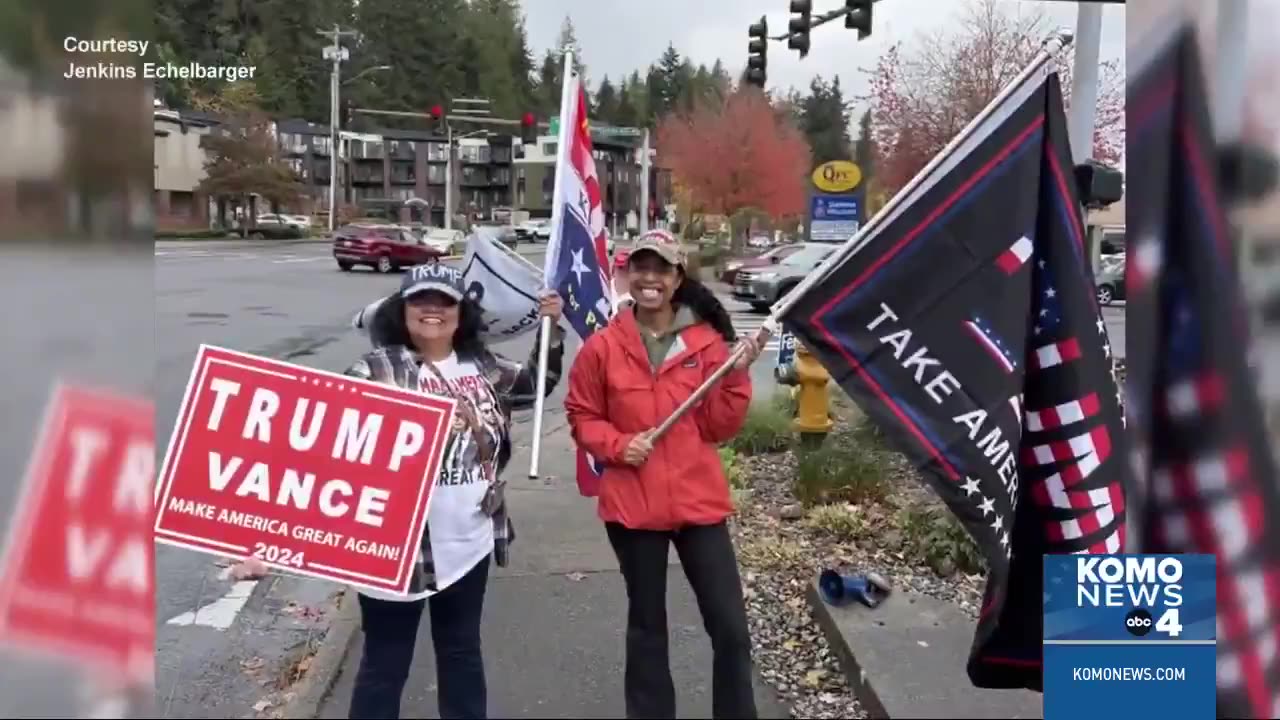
{"x":461,"y":533}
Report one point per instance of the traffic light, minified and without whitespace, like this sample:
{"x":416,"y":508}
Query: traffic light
{"x":858,"y":17}
{"x":436,"y":123}
{"x":1098,"y":184}
{"x":758,"y":52}
{"x":798,"y":29}
{"x":528,"y":129}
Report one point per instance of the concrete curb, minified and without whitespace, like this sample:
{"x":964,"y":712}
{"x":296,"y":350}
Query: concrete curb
{"x":853,"y":671}
{"x":310,"y":692}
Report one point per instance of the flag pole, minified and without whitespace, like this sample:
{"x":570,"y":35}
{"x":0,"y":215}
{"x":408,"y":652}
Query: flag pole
{"x":557,"y":228}
{"x":1052,"y":46}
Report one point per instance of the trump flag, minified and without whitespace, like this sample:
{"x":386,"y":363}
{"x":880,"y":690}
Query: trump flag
{"x":577,"y":262}
{"x":966,"y":327}
{"x":1206,"y":478}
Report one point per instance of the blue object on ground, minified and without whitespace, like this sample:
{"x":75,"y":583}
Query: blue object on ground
{"x":870,"y":589}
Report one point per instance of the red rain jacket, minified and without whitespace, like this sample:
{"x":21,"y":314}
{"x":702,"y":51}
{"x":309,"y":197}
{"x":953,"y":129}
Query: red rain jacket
{"x":615,"y":395}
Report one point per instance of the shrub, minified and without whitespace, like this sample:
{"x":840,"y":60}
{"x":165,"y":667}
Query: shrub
{"x":840,"y":521}
{"x":732,"y":467}
{"x":846,"y":468}
{"x":935,"y":537}
{"x":767,"y":428}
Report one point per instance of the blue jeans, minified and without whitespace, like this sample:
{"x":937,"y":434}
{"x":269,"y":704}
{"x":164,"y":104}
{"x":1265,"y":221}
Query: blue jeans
{"x":390,"y":633}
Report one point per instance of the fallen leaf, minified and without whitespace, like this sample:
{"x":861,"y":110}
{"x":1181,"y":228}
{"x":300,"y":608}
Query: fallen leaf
{"x":922,"y":643}
{"x":261,"y":705}
{"x":253,"y":664}
{"x":576,"y":576}
{"x":305,"y":664}
{"x":813,"y":678}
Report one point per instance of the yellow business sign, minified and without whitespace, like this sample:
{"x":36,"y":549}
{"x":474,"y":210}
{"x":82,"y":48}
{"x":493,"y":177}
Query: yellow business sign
{"x":837,"y":176}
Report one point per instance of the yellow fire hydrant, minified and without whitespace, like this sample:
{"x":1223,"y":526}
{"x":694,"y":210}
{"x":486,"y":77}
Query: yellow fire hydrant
{"x":810,"y":378}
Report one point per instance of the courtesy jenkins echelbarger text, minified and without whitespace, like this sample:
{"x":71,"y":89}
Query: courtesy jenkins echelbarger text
{"x":158,"y":71}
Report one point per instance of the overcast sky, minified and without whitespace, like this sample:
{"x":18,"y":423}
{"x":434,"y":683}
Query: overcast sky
{"x":618,"y":36}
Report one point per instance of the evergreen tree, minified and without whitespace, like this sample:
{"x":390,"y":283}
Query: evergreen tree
{"x":550,"y":80}
{"x":606,"y":104}
{"x":825,"y":121}
{"x":864,"y":148}
{"x":722,"y":83}
{"x":494,"y":30}
{"x":425,"y":44}
{"x":568,"y":40}
{"x":625,"y":113}
{"x":655,"y":96}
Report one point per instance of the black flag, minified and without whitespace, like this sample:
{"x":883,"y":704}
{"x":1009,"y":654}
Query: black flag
{"x":967,"y":328}
{"x":1206,"y":477}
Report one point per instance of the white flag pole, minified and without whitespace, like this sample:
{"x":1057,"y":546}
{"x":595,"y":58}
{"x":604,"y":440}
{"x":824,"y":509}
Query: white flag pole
{"x":568,"y":101}
{"x":1052,"y":46}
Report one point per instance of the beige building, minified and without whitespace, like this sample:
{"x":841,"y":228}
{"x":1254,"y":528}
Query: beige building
{"x":179,"y":168}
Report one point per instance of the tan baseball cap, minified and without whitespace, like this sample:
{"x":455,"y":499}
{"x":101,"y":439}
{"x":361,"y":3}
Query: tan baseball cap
{"x":661,"y":242}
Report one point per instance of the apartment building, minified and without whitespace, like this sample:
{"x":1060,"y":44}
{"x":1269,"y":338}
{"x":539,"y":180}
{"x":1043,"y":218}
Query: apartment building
{"x":179,"y":169}
{"x":618,"y":169}
{"x":379,"y":171}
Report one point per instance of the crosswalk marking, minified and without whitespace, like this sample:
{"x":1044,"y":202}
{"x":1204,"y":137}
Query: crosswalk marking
{"x":747,"y":323}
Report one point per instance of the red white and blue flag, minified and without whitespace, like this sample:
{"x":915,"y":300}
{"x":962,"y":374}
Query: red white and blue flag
{"x":577,"y":263}
{"x":967,"y":328}
{"x":1201,"y":453}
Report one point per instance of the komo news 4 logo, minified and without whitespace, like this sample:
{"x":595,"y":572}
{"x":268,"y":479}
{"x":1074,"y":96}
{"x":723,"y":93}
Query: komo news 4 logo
{"x":1136,"y":583}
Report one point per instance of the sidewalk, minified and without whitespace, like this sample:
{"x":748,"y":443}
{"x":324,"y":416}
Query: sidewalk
{"x":555,"y":618}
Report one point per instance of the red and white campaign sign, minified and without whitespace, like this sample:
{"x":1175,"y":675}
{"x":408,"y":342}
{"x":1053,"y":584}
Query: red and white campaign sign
{"x":77,"y":577}
{"x":310,"y":471}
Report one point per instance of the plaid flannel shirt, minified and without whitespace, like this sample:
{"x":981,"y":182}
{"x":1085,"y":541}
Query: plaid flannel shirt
{"x":516,"y":384}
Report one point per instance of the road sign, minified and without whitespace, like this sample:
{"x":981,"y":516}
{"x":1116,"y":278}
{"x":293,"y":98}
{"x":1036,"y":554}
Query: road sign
{"x":555,"y":125}
{"x":837,"y":176}
{"x":77,"y":579}
{"x":786,"y":348}
{"x":312,"y":472}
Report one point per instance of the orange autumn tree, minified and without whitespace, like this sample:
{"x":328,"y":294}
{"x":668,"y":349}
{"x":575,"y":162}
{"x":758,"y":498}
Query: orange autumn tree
{"x":736,"y":154}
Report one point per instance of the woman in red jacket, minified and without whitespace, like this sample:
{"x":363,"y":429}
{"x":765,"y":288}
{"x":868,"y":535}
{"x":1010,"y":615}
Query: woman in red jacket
{"x":625,"y":381}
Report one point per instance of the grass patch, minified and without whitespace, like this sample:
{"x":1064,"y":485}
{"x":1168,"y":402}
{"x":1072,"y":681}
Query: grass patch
{"x":840,"y":521}
{"x":767,"y":428}
{"x":849,"y":467}
{"x":934,"y":537}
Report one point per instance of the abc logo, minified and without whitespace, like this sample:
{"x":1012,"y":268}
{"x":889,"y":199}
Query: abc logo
{"x":1138,"y":622}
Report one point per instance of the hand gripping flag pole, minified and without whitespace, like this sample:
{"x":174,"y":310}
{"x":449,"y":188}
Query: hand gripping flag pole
{"x":1053,"y":45}
{"x":557,"y":227}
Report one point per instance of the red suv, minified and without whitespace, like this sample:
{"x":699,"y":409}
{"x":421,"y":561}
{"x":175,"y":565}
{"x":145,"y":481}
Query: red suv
{"x":385,"y":248}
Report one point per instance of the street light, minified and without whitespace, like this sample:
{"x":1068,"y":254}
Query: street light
{"x":366,"y":71}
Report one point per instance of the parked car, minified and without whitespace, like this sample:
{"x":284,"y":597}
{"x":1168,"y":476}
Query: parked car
{"x":534,"y":230}
{"x":1110,"y":280}
{"x":446,"y":242}
{"x":385,"y":248}
{"x":271,"y":225}
{"x":762,"y":287}
{"x":771,"y":257}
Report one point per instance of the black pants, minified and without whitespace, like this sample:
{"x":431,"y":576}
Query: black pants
{"x":706,"y":553}
{"x":390,"y":633}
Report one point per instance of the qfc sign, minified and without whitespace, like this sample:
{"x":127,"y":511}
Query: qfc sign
{"x":835,"y":202}
{"x":837,"y":176}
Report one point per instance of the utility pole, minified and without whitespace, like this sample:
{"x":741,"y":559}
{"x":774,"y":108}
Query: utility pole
{"x":644,"y":184}
{"x":336,"y":54}
{"x":1084,"y":82}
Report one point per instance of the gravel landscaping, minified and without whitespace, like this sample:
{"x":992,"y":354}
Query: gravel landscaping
{"x":869,"y":512}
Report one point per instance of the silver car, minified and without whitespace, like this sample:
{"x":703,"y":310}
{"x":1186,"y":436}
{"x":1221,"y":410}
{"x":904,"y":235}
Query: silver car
{"x":762,"y":287}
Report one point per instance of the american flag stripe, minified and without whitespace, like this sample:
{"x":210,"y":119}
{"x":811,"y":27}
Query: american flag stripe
{"x":1016,"y":256}
{"x":1056,"y":353}
{"x":1189,"y":398}
{"x":1096,"y":442}
{"x":1064,"y":414}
